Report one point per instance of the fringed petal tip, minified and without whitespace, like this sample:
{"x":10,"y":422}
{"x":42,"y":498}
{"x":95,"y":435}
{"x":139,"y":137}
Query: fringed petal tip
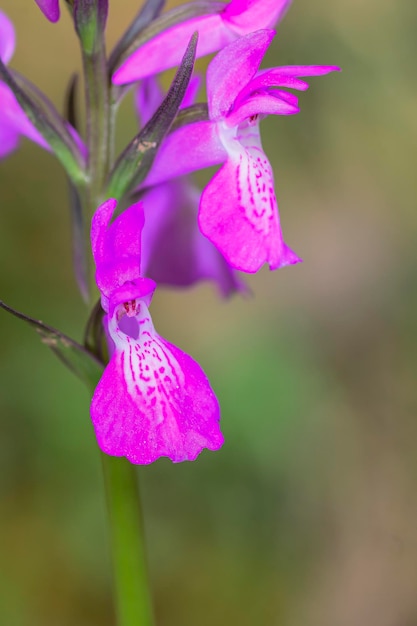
{"x":193,"y":451}
{"x":285,"y":257}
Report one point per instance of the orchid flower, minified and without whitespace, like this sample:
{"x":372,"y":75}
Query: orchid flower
{"x":50,"y":8}
{"x":174,"y":252}
{"x":215,"y":31}
{"x":13,"y":120}
{"x":153,"y":400}
{"x":238,"y":209}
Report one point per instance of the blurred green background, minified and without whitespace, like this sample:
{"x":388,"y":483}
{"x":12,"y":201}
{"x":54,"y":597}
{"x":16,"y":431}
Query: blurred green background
{"x":308,"y":515}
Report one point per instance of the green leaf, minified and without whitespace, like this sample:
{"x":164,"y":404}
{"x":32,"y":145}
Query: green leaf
{"x":135,"y":162}
{"x":47,"y":121}
{"x":77,"y":358}
{"x":167,"y":20}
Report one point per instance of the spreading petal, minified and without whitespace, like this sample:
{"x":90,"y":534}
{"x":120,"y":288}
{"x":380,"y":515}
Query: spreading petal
{"x":174,"y":252}
{"x":153,"y":400}
{"x":50,"y":8}
{"x":7,"y":38}
{"x":285,"y":76}
{"x":215,"y":31}
{"x":238,"y":209}
{"x":166,"y":49}
{"x":232,"y":69}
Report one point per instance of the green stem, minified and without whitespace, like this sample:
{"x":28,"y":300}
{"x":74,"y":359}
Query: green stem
{"x":98,"y":121}
{"x":133,"y":599}
{"x":132,"y":593}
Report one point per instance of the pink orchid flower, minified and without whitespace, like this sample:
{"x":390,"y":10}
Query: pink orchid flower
{"x":215,"y":31}
{"x":238,"y":208}
{"x":153,"y":400}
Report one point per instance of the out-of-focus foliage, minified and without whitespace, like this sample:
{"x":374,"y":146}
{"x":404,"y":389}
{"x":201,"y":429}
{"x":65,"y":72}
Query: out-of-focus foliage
{"x":308,"y":516}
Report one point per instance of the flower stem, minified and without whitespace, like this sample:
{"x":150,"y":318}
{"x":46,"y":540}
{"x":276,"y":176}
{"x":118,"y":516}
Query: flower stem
{"x":98,"y":121}
{"x":133,"y":599}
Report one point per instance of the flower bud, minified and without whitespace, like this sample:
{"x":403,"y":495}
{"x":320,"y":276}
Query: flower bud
{"x":90,"y":21}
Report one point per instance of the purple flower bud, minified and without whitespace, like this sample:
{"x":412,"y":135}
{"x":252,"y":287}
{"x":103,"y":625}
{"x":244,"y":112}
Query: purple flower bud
{"x":50,"y":8}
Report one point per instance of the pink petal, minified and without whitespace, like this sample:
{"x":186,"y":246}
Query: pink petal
{"x":7,"y":38}
{"x":116,"y":248}
{"x":50,"y":8}
{"x":233,"y":68}
{"x":9,"y":139}
{"x":246,"y":16}
{"x":15,"y":121}
{"x":301,"y":70}
{"x":186,"y":150}
{"x":153,"y":400}
{"x":166,"y":49}
{"x":238,"y":209}
{"x":286,"y":76}
{"x":174,"y":252}
{"x":99,"y":227}
{"x":268,"y":103}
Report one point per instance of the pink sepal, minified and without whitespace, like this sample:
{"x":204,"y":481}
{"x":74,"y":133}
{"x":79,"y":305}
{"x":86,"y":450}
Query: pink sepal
{"x":232,"y":69}
{"x":166,"y":49}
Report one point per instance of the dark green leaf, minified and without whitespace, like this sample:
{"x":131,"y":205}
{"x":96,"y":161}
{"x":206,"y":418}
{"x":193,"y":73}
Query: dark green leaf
{"x":77,"y":358}
{"x":135,"y":162}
